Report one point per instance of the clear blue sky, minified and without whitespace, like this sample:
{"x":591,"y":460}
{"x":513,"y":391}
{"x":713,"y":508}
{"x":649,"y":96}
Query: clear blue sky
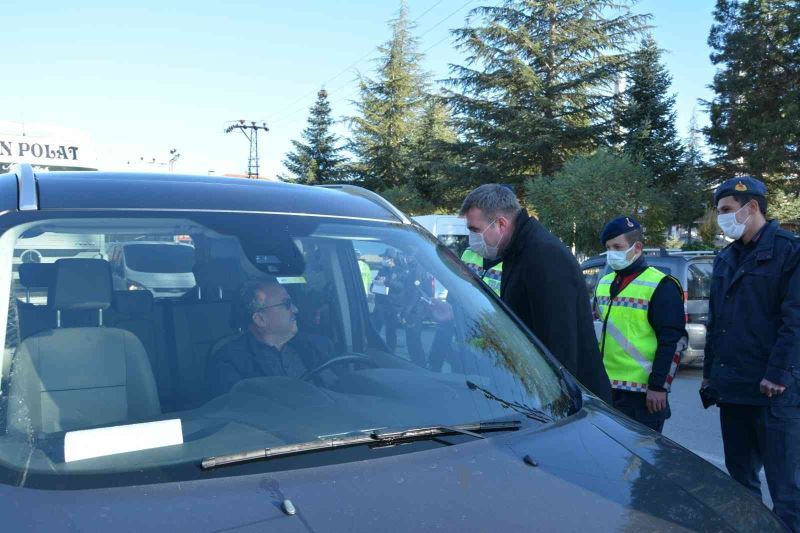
{"x":141,"y":80}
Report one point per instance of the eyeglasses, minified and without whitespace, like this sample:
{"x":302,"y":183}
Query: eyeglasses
{"x":287,"y":304}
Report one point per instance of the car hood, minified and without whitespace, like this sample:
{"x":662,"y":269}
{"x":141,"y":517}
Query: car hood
{"x":594,"y":471}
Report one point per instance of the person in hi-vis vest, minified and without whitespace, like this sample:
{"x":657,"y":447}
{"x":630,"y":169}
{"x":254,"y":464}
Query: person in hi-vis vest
{"x":644,"y":326}
{"x":491,"y":276}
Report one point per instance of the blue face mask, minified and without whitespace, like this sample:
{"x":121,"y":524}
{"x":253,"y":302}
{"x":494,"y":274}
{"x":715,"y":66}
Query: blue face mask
{"x":618,"y":260}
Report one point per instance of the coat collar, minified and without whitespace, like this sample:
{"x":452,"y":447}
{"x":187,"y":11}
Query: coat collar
{"x":523,"y":223}
{"x":765,"y":246}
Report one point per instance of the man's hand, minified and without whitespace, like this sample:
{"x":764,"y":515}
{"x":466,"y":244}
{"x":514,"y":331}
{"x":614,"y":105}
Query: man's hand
{"x":771,"y":389}
{"x":656,"y":401}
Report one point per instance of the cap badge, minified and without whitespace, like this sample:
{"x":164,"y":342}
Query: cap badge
{"x":630,"y":224}
{"x":741,"y":187}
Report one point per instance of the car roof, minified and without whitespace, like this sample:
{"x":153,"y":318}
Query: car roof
{"x":144,"y":191}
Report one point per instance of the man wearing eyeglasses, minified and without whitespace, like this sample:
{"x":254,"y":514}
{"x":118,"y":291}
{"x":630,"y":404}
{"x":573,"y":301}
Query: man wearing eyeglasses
{"x":270,"y":345}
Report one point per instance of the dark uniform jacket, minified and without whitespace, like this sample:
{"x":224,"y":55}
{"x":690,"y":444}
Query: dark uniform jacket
{"x":754,"y":319}
{"x":543,"y":285}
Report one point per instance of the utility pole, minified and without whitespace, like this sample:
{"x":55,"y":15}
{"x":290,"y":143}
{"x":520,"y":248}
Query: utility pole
{"x":250,"y":131}
{"x":173,"y":156}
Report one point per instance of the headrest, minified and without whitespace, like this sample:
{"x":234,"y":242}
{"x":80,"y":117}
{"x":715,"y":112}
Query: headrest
{"x":81,"y":284}
{"x":133,"y":302}
{"x":225,"y":274}
{"x":37,"y":274}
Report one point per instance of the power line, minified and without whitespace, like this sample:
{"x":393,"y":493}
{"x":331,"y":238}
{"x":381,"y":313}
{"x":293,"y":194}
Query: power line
{"x":284,"y":118}
{"x":448,"y":17}
{"x":357,"y":61}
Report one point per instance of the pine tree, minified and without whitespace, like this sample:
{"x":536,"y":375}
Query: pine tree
{"x":568,"y":203}
{"x":691,"y":194}
{"x":536,"y":87}
{"x":317,"y":159}
{"x":647,"y":117}
{"x":388,"y":111}
{"x":434,"y":162}
{"x":754,"y":116}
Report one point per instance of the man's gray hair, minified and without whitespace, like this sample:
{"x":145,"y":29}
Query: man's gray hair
{"x":493,"y":200}
{"x":248,"y":299}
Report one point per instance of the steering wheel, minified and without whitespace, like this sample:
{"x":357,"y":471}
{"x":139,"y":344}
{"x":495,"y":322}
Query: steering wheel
{"x":353,"y":358}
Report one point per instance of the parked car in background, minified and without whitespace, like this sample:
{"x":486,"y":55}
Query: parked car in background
{"x":692,"y":270}
{"x":163,"y":268}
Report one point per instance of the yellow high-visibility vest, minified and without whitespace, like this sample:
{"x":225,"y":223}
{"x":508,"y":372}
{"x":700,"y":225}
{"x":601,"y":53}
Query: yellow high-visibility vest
{"x":491,"y":277}
{"x":628,"y":342}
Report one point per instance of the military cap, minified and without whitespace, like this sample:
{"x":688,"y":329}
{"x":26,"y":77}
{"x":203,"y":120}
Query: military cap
{"x":618,"y":226}
{"x":743,"y":185}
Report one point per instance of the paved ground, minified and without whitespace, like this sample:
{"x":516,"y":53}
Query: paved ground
{"x":697,"y":428}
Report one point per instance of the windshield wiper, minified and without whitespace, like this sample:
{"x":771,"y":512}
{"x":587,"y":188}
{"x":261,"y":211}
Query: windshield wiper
{"x":380,"y":438}
{"x":530,"y":412}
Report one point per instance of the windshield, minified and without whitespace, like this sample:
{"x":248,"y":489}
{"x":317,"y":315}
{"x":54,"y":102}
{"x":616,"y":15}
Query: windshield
{"x":457,"y":243}
{"x":163,"y":258}
{"x":299,"y":329}
{"x":698,"y":280}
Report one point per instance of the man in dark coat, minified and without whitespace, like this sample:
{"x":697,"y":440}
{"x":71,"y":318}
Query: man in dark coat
{"x":752,"y":354}
{"x":271,"y":346}
{"x":541,"y":281}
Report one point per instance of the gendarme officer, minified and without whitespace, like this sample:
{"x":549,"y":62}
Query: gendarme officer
{"x":752,"y":362}
{"x":644,"y":326}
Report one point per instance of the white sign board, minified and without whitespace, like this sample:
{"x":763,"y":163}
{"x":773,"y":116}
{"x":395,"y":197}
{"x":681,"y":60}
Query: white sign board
{"x":45,"y":151}
{"x":89,"y":443}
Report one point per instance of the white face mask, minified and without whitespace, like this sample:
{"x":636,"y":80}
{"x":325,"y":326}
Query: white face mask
{"x":478,"y":244}
{"x":618,"y":260}
{"x":730,"y":226}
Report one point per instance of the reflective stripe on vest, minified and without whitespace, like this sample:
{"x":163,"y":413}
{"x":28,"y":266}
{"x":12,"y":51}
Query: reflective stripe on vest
{"x":628,"y":342}
{"x":491,"y":277}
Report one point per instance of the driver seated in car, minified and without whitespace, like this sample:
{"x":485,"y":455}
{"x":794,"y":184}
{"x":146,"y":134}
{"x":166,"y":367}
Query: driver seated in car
{"x":271,"y":344}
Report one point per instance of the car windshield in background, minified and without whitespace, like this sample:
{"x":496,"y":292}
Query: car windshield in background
{"x":162,"y":258}
{"x":370,"y":348}
{"x":699,"y":280}
{"x":457,"y":243}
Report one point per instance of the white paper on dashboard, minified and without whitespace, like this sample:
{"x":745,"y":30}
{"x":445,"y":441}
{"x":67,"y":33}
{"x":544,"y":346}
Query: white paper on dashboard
{"x":89,"y":443}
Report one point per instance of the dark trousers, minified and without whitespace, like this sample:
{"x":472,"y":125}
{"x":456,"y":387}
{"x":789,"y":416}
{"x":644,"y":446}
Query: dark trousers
{"x":385,"y":316}
{"x":756,"y":436}
{"x":634,"y":404}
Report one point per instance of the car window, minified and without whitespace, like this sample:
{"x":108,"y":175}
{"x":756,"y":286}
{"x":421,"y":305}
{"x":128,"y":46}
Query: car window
{"x":591,"y":276}
{"x":699,"y":280}
{"x":457,"y":243}
{"x":278,"y":343}
{"x":165,"y":258}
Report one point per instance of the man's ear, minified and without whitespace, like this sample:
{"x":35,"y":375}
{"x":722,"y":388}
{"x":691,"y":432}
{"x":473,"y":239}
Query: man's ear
{"x":257,"y":319}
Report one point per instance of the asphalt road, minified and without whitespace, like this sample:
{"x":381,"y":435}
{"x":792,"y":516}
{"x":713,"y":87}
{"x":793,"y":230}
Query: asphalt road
{"x":694,"y":427}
